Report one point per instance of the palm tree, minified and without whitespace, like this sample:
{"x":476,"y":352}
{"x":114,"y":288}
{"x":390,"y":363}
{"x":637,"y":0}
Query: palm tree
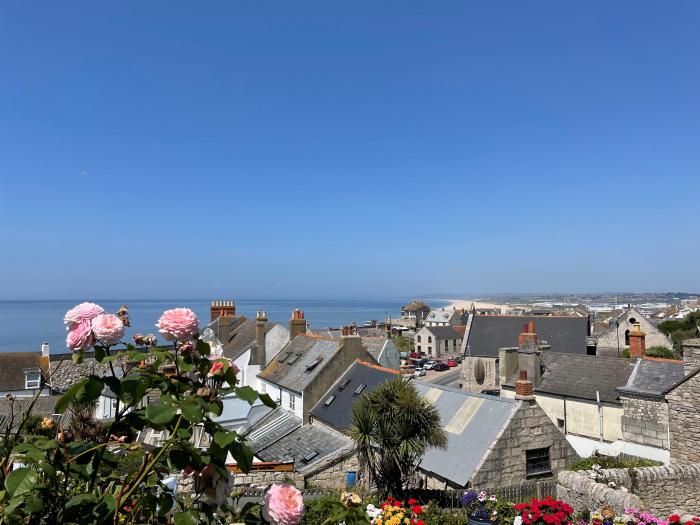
{"x":392,"y":428}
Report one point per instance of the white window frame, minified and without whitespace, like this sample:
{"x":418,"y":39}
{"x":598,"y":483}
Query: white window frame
{"x":33,"y":383}
{"x":292,"y":402}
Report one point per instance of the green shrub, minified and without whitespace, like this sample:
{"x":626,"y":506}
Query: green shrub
{"x":612,"y":462}
{"x":434,"y":515}
{"x":661,"y":351}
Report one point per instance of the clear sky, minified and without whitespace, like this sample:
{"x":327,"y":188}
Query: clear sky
{"x":346,"y":149}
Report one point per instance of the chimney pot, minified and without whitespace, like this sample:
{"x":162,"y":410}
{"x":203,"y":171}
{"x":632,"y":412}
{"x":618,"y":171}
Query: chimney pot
{"x":222,"y":309}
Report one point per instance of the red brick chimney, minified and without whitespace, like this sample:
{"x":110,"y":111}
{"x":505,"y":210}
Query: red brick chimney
{"x":637,"y":342}
{"x":297,"y":324}
{"x":524,"y":389}
{"x":529,"y":359}
{"x":222,"y":309}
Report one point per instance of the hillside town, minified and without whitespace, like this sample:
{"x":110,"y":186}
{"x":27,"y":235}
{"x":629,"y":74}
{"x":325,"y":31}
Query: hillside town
{"x":523,"y":393}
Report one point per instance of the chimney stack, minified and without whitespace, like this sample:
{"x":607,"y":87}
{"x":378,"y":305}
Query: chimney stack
{"x":388,"y":330}
{"x":349,"y":339}
{"x":297,"y":324}
{"x":45,"y":352}
{"x":529,"y":352}
{"x":222,"y":309}
{"x":637,"y":342}
{"x":524,"y":389}
{"x":691,"y":355}
{"x":258,"y":355}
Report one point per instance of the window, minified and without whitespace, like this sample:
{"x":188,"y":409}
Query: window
{"x":627,"y":337}
{"x":344,"y":384}
{"x":359,"y":390}
{"x":291,"y":401}
{"x":330,"y":399}
{"x":419,"y":348}
{"x":560,"y":423}
{"x":430,"y":338}
{"x":537,"y":462}
{"x":419,"y":339}
{"x":32,"y":380}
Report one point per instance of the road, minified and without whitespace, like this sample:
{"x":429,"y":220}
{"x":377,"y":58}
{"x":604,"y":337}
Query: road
{"x":448,"y":378}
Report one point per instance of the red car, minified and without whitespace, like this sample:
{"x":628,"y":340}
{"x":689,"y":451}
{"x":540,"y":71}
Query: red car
{"x":451,"y":363}
{"x":414,"y":355}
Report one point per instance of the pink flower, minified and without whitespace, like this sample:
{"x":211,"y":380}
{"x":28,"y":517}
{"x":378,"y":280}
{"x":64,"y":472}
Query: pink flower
{"x":108,"y":329}
{"x":82,"y":312}
{"x":79,"y":336}
{"x":283,"y":505}
{"x":178,"y":323}
{"x":217,"y":369}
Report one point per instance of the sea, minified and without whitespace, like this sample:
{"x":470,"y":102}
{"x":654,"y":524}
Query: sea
{"x":25,"y":325}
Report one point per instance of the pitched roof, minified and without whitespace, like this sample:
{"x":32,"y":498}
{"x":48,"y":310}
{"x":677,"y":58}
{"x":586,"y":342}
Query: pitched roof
{"x":223,"y":326}
{"x":488,"y":333}
{"x":13,"y":365}
{"x":271,"y":428}
{"x":362,"y":331}
{"x":299,"y":362}
{"x":241,"y":337}
{"x":335,"y":406}
{"x":581,"y":376}
{"x":472,"y":423}
{"x":374,"y":346}
{"x":44,"y":407}
{"x":306,"y":445}
{"x":653,"y":377}
{"x":414,"y":305}
{"x":444,"y":332}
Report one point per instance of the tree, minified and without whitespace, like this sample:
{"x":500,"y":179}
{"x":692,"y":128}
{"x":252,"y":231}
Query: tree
{"x":392,"y":427}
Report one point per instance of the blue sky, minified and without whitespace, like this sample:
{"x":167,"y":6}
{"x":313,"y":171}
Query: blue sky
{"x":322,"y":149}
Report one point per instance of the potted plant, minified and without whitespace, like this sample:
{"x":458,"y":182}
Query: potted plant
{"x":481,"y":508}
{"x":544,"y":512}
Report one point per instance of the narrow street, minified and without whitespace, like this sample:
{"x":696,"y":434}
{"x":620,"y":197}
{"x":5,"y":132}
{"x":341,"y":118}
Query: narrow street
{"x":448,"y":378}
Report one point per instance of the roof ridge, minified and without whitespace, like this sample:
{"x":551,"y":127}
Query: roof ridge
{"x":315,"y":336}
{"x":377,"y":367}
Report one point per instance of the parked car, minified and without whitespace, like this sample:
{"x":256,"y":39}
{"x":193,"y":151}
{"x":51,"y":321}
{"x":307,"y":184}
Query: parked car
{"x":414,"y":355}
{"x":429,"y":365}
{"x":422,"y":362}
{"x":419,"y":372}
{"x":451,"y":363}
{"x":441,"y":367}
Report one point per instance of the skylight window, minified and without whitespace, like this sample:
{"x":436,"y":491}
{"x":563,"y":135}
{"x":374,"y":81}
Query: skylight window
{"x":344,"y":384}
{"x":314,"y":364}
{"x":284,"y":357}
{"x":309,"y":456}
{"x":359,"y":389}
{"x":293,"y":359}
{"x":330,"y":399}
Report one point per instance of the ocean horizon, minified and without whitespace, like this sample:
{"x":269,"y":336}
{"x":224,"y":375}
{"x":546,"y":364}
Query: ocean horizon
{"x":26,"y":324}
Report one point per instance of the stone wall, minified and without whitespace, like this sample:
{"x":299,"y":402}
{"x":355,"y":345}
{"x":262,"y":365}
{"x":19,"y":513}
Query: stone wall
{"x":645,"y":420}
{"x":468,"y":376}
{"x":529,"y":428}
{"x":660,"y":490}
{"x":261,"y":478}
{"x":331,"y":472}
{"x":684,"y":419}
{"x":609,"y":341}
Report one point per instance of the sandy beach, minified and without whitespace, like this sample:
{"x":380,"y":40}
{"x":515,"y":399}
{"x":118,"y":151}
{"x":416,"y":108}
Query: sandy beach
{"x":467,"y":304}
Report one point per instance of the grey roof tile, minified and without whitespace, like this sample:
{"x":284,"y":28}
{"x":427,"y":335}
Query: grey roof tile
{"x":305,"y":446}
{"x":271,"y":428}
{"x":488,"y":333}
{"x":653,"y":377}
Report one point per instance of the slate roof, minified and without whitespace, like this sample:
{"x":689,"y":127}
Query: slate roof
{"x":241,"y":338}
{"x":299,"y":362}
{"x":44,"y":407}
{"x":652,"y":377}
{"x":488,"y":333}
{"x":444,"y":332}
{"x":472,"y":423}
{"x":271,"y":428}
{"x":12,"y":368}
{"x":374,"y":346}
{"x":581,"y":376}
{"x":306,"y":446}
{"x":362,"y":331}
{"x":223,"y":326}
{"x":335,"y":406}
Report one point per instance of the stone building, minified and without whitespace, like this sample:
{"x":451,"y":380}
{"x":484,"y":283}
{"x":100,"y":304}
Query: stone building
{"x":683,"y":408}
{"x":414,"y":313}
{"x":485,"y":335}
{"x":446,"y":317}
{"x":492,"y":441}
{"x":439,"y":341}
{"x":616,"y":338}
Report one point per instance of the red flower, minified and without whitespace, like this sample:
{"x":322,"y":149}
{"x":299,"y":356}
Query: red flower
{"x":411,"y":501}
{"x":419,"y":522}
{"x":417,"y":509}
{"x":674,"y":518}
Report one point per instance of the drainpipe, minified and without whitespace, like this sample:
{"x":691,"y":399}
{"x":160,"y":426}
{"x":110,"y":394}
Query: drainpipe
{"x":600,"y":414}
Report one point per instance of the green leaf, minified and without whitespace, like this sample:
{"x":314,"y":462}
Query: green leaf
{"x":185,"y":364}
{"x":203,"y":348}
{"x":191,"y":411}
{"x":216,"y":407}
{"x":267,"y":400}
{"x":248,"y":394}
{"x":99,"y":353}
{"x":34,"y":504}
{"x":242,"y":454}
{"x":90,"y":391}
{"x":136,"y":355}
{"x":160,"y":414}
{"x":79,"y":500}
{"x":110,"y":501}
{"x":21,"y":480}
{"x":191,"y":517}
{"x":77,"y":357}
{"x":66,"y":398}
{"x":224,"y":439}
{"x":132,"y":389}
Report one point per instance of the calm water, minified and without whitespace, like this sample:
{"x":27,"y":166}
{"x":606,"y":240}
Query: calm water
{"x":24,"y":325}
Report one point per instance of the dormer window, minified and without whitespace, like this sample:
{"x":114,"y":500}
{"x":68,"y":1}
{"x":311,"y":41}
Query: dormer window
{"x":32,"y":380}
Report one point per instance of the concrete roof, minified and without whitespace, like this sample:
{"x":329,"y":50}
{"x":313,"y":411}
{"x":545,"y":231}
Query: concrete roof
{"x":472,"y":422}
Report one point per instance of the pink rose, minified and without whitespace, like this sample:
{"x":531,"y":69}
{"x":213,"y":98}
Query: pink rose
{"x":178,"y":323}
{"x":216,"y":369}
{"x":82,"y":312}
{"x":80,"y":336}
{"x":108,"y":329}
{"x":283,"y":505}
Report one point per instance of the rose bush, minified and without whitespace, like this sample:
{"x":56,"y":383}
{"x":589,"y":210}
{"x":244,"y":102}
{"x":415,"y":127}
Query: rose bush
{"x":77,"y":470}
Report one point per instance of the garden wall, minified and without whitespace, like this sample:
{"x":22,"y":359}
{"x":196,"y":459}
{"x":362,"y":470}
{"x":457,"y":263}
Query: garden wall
{"x":660,"y":490}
